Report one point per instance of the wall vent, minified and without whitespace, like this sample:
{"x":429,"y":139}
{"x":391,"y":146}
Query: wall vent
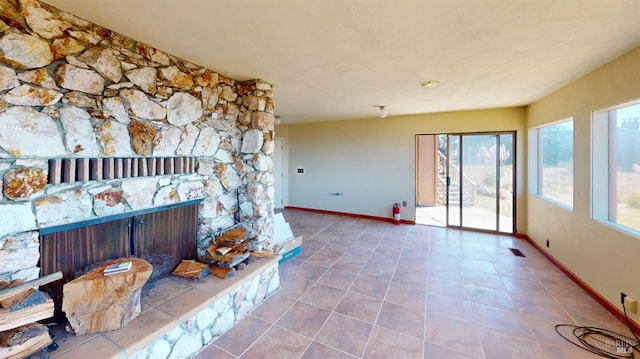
{"x":71,"y":170}
{"x":517,"y":252}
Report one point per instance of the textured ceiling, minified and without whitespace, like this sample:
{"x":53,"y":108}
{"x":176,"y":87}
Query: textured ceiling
{"x":339,"y":59}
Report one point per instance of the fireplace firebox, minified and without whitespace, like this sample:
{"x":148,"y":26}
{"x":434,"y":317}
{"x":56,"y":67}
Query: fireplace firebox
{"x":162,"y":236}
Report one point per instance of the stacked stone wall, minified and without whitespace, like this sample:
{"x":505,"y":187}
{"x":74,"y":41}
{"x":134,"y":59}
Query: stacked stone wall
{"x":70,"y":89}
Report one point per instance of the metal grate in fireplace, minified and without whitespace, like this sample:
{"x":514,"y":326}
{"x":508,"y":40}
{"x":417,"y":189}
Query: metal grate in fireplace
{"x":70,"y":170}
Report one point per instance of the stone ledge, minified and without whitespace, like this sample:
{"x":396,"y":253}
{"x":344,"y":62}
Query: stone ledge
{"x":179,"y":316}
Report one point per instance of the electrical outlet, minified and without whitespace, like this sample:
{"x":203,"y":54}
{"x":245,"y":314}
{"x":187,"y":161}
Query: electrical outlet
{"x":404,"y":203}
{"x":631,"y":304}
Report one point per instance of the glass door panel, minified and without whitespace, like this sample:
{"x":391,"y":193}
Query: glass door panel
{"x":453,"y":181}
{"x":480,"y":173}
{"x":478,"y":183}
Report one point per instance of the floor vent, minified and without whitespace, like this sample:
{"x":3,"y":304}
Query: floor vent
{"x":517,"y":252}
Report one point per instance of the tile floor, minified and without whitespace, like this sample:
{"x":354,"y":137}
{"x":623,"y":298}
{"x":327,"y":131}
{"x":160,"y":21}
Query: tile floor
{"x":369,"y":289}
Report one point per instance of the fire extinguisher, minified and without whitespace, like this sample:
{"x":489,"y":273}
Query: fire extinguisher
{"x":396,"y":213}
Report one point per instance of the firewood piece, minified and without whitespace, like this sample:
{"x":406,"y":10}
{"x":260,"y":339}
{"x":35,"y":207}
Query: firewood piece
{"x":95,"y":303}
{"x":23,"y":341}
{"x":231,"y":258}
{"x":41,"y":308}
{"x":220,"y":272}
{"x":223,"y":241}
{"x":223,"y":250}
{"x":237,"y":259}
{"x":231,"y":238}
{"x":25,"y":286}
{"x":236,"y":233}
{"x":14,"y":283}
{"x":191,"y":269}
{"x":11,"y":301}
{"x":4,"y":284}
{"x":34,"y":298}
{"x":263,"y":254}
{"x":242,"y":247}
{"x":240,"y":266}
{"x":212,"y":250}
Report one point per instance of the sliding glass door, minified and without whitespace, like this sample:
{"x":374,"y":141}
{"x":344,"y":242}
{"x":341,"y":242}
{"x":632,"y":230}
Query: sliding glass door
{"x":480,"y":182}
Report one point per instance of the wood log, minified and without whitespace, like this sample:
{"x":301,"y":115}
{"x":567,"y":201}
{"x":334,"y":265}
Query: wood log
{"x":10,"y":319}
{"x":14,"y":283}
{"x":231,"y":237}
{"x":23,"y":341}
{"x":191,"y":269}
{"x":11,"y":301}
{"x":237,"y":259}
{"x":95,"y":303}
{"x":220,"y":272}
{"x":25,"y":286}
{"x":236,"y":233}
{"x":263,"y":254}
{"x":241,"y":247}
{"x":223,"y":241}
{"x":229,"y":259}
{"x":223,"y":250}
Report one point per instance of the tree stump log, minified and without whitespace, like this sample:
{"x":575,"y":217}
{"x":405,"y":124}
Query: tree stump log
{"x":95,"y":302}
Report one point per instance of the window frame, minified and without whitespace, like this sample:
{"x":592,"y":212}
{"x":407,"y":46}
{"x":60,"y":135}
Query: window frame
{"x":602,"y":201}
{"x":535,"y":163}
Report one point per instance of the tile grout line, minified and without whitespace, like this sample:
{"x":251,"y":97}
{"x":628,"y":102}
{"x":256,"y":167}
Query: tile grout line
{"x":383,"y":301}
{"x":289,"y":308}
{"x":470,"y":300}
{"x":426,"y":294}
{"x":334,"y":312}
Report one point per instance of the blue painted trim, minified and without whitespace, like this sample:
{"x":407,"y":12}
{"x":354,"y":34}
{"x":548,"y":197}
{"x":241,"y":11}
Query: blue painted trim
{"x":290,"y":254}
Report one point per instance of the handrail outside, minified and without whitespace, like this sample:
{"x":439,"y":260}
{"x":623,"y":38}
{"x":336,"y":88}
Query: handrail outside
{"x":468,"y":185}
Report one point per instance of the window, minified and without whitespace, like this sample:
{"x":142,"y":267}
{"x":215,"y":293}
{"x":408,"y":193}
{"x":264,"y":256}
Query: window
{"x":551,"y":153}
{"x":616,"y":166}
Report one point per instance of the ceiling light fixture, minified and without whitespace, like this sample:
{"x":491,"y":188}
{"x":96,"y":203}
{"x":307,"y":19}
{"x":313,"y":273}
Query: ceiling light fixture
{"x":430,"y":83}
{"x":278,"y":121}
{"x":383,"y":112}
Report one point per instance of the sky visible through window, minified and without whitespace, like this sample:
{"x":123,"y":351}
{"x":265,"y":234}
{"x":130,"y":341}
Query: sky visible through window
{"x":627,"y":113}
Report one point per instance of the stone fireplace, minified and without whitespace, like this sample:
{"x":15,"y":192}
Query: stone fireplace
{"x":94,"y":124}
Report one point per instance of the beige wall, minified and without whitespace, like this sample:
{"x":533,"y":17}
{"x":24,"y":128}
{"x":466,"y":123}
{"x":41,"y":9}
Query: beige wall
{"x":372,"y":161}
{"x":606,"y":259}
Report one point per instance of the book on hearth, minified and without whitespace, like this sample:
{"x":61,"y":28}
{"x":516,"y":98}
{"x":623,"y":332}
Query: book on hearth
{"x":117,"y":268}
